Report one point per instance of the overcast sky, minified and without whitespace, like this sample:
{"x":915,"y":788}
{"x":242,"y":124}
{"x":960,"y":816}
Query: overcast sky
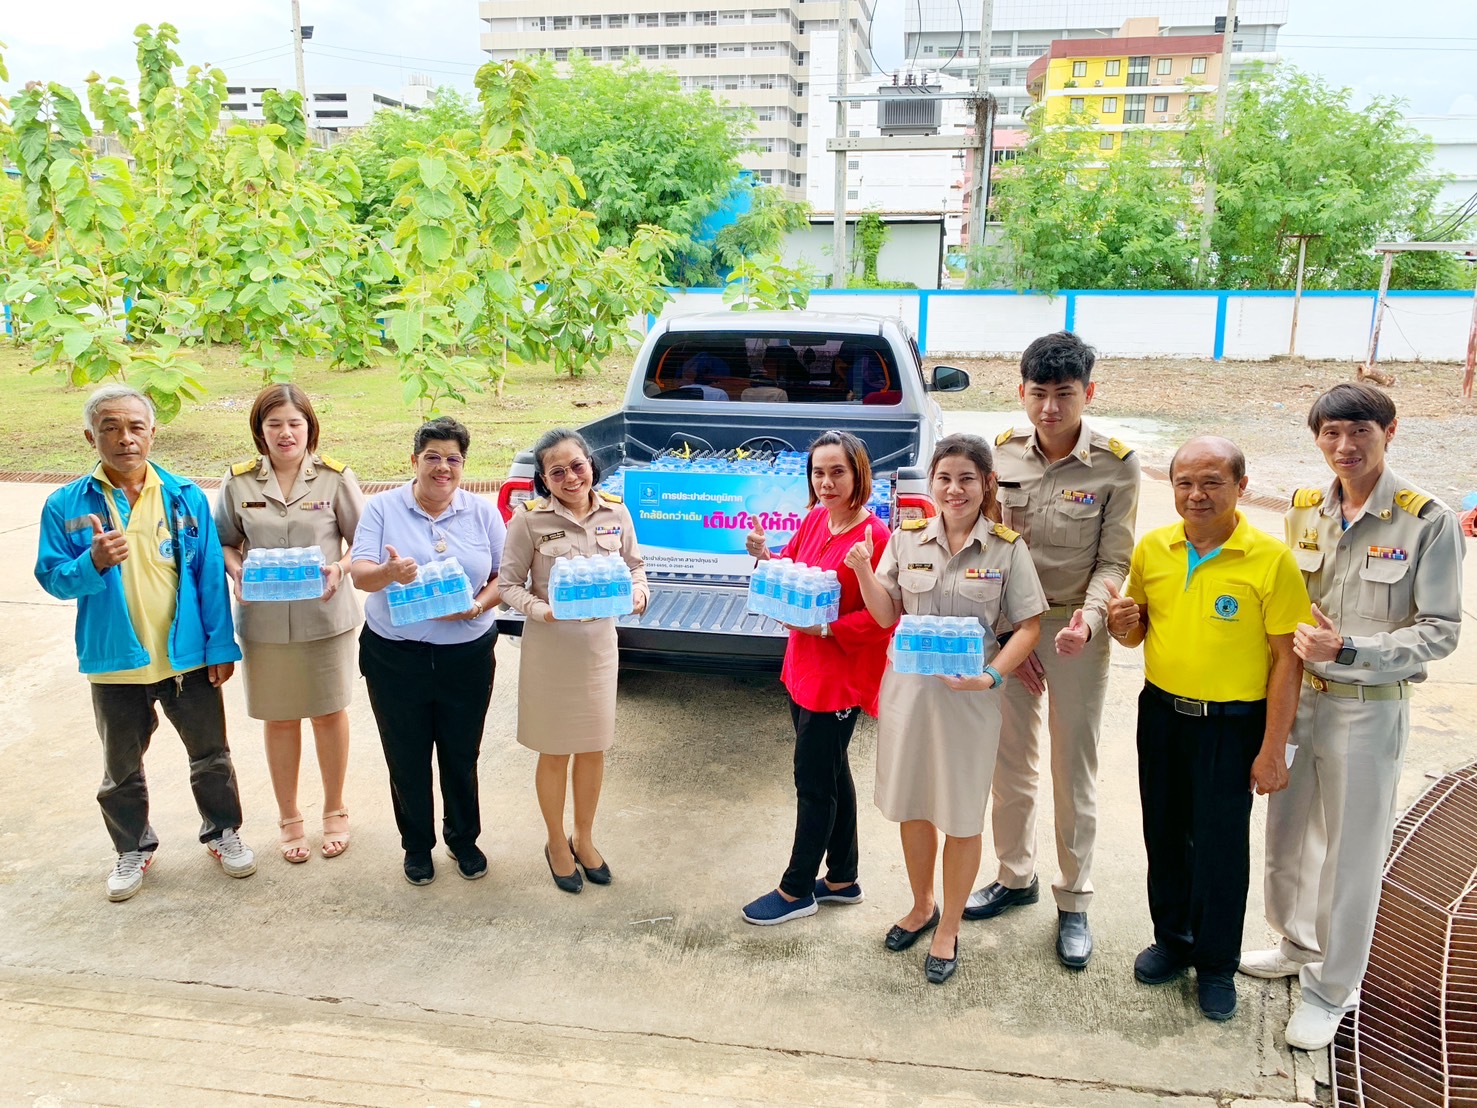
{"x":1428,"y":57}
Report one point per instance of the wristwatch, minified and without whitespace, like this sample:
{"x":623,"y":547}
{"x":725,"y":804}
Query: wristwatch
{"x":477,"y":608}
{"x":1346,"y":656}
{"x":825,"y":630}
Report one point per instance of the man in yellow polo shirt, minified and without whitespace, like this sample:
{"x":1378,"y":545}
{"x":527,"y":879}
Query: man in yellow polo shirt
{"x":1215,"y":601}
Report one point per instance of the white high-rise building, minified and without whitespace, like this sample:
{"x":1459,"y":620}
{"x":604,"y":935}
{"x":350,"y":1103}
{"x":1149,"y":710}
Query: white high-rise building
{"x":330,"y":107}
{"x":944,"y":35}
{"x":759,"y":57}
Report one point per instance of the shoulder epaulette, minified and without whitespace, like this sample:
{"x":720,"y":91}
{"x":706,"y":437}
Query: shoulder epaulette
{"x":241,"y":468}
{"x":532,"y":504}
{"x":1119,"y":448}
{"x":332,"y":463}
{"x":1009,"y":433}
{"x":610,"y":497}
{"x":914,"y":524}
{"x":1412,"y":501}
{"x":1005,"y":532}
{"x":1307,"y":498}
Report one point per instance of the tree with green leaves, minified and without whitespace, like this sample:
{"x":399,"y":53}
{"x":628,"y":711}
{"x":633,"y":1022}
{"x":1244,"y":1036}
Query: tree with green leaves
{"x":387,"y":138}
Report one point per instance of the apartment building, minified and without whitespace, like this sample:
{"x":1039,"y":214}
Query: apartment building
{"x":944,"y":35}
{"x":330,"y":108}
{"x":746,"y":53}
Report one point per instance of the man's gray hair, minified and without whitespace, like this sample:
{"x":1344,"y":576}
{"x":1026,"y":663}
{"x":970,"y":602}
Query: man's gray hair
{"x":108,"y":393}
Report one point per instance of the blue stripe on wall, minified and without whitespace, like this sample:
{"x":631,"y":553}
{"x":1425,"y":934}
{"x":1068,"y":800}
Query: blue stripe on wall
{"x":1219,"y":350}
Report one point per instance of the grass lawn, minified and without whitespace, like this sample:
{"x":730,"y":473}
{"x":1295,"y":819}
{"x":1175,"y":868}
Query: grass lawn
{"x":364,"y":423}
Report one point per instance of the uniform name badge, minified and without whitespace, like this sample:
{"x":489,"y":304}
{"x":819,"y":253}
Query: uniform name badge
{"x":550,"y":537}
{"x":920,"y":565}
{"x":1309,"y":541}
{"x":983,"y":575}
{"x":1077,"y":497}
{"x":253,"y":503}
{"x":1388,"y":553}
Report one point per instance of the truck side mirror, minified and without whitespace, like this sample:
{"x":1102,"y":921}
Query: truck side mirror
{"x":946,"y":378}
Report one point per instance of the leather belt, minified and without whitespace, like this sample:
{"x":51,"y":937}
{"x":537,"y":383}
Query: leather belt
{"x":1188,"y":706}
{"x":1400,"y":690}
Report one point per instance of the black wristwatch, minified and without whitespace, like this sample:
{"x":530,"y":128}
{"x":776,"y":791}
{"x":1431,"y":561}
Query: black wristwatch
{"x":1346,"y":656}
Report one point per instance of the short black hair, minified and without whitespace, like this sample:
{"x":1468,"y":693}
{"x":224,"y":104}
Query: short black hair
{"x":442,"y":429}
{"x":1058,"y":357}
{"x":1356,"y":402}
{"x":546,"y":442}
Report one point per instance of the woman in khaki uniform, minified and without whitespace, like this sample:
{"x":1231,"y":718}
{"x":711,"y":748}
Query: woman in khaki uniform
{"x":937,"y":736}
{"x":299,"y":654}
{"x":567,"y":674}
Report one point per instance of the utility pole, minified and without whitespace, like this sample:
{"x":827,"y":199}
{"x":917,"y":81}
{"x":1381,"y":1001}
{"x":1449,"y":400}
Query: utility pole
{"x":843,"y":63}
{"x":297,"y":51}
{"x":1222,"y":94}
{"x":984,"y":116}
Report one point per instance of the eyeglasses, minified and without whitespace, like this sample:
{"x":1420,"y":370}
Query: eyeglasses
{"x":575,"y":469}
{"x":455,"y":461}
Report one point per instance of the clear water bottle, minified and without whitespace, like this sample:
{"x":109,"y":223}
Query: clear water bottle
{"x":805,"y":597}
{"x":972,"y":646}
{"x":584,"y":589}
{"x":456,"y":587}
{"x":904,"y":656}
{"x":561,"y":589}
{"x":758,"y":587}
{"x":274,"y":566}
{"x":604,"y":574}
{"x":433,"y":577}
{"x":948,"y":646}
{"x":833,"y":596}
{"x":927,"y":639}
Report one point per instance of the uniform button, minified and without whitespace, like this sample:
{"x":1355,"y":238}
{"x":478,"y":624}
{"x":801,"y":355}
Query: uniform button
{"x":282,"y":512}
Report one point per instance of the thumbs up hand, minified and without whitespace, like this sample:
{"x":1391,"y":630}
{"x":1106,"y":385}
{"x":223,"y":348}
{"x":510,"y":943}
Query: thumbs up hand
{"x":108,"y":547}
{"x":1124,"y":614}
{"x":401,"y":571}
{"x":754,"y":544}
{"x":1073,"y":637}
{"x":1318,"y":641}
{"x":859,"y":557}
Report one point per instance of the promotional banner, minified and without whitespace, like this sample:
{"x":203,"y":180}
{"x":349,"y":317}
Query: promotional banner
{"x":697,"y":522}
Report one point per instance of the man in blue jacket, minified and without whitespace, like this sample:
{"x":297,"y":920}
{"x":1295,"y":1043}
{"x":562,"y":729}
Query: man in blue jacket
{"x":136,"y":547}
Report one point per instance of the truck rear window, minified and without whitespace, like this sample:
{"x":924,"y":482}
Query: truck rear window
{"x":745,"y":368}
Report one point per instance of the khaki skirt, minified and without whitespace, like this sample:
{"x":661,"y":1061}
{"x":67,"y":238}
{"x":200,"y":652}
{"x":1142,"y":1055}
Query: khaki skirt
{"x":299,"y":680}
{"x":566,"y":686}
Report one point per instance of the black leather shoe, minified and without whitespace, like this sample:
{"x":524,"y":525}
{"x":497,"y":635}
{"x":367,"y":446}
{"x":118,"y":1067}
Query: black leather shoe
{"x":939,"y":970}
{"x":1155,"y":966}
{"x":993,"y":899}
{"x":419,"y":869}
{"x":599,"y":875}
{"x":900,"y":938}
{"x":471,"y":863}
{"x":1217,"y":995}
{"x":571,"y":883}
{"x":1073,"y":939}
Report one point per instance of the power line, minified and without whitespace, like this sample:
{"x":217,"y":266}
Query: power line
{"x":318,"y":52}
{"x":405,"y":57}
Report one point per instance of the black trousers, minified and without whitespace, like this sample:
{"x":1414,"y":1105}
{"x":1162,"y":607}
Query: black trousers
{"x":1195,"y":786}
{"x":430,"y":697}
{"x":825,"y":817}
{"x":126,"y":721}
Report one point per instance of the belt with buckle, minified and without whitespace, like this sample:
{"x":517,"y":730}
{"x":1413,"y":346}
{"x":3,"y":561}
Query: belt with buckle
{"x":1189,"y":706}
{"x":1400,"y":690}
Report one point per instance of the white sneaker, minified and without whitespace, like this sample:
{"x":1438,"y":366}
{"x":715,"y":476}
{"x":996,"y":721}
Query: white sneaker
{"x":127,"y":877}
{"x":234,"y":856}
{"x":1312,"y":1027}
{"x":1268,"y":964}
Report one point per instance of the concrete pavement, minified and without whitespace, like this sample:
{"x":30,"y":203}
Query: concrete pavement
{"x":335,"y":982}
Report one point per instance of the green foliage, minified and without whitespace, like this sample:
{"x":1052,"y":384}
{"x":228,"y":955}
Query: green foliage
{"x":765,"y":283}
{"x":761,"y":229}
{"x":388,"y":138}
{"x":871,"y":235}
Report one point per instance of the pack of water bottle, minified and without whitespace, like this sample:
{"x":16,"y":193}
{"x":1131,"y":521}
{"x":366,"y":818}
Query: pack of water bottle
{"x":953,"y":645}
{"x":440,"y":589}
{"x":590,"y":588}
{"x":295,"y":573}
{"x":795,"y":593}
{"x":880,"y":502}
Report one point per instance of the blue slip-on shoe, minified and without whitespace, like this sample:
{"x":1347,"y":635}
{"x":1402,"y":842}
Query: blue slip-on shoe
{"x":771,"y":908}
{"x":847,"y":894}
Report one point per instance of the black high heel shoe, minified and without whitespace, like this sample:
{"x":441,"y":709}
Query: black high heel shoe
{"x":571,"y":883}
{"x":596,"y":875}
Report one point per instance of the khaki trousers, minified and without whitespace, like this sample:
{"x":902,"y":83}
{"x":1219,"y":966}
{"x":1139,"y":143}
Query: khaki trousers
{"x":1071,"y":710}
{"x":1328,"y":835}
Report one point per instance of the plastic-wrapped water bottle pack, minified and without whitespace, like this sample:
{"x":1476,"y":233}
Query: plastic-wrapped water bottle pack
{"x":931,"y":645}
{"x":439,"y":589}
{"x":590,"y":588}
{"x":795,"y":593}
{"x":275,"y":574}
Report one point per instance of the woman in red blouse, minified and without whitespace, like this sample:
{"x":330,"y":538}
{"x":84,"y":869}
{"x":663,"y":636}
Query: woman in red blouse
{"x":832,"y":673}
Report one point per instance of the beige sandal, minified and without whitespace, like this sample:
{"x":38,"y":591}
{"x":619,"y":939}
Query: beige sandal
{"x":293,"y":850}
{"x":335,"y":842}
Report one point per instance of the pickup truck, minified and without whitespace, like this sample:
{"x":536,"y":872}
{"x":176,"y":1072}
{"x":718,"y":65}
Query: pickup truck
{"x":749,"y":385}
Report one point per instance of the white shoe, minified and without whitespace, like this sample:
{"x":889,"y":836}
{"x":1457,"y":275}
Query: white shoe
{"x":234,"y":856}
{"x":127,"y":877}
{"x":1269,"y":964}
{"x":1312,"y":1027}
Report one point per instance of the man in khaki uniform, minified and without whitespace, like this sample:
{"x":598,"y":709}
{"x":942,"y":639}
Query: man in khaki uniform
{"x":1072,"y":493}
{"x":1383,"y":565}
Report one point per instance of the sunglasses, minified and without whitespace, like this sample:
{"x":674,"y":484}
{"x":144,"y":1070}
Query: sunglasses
{"x":455,"y":461}
{"x":574,"y":469}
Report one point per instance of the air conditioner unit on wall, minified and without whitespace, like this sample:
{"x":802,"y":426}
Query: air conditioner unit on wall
{"x":1179,"y":80}
{"x":1156,"y":81}
{"x":1098,"y":84}
{"x":1164,"y":119}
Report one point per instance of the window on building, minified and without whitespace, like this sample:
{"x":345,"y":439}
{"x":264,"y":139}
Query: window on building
{"x":649,"y":52}
{"x":1079,"y":69}
{"x":674,"y":19}
{"x":1112,"y":66}
{"x":929,"y":49}
{"x":561,"y":53}
{"x":767,"y":176}
{"x":732,"y":17}
{"x":589,"y":21}
{"x":767,"y":15}
{"x":1237,"y":46}
{"x":594,"y":53}
{"x":234,"y":107}
{"x":1105,"y":142}
{"x":336,"y":97}
{"x":1197,"y":65}
{"x":1000,"y":51}
{"x":1164,"y":66}
{"x":853,"y":134}
{"x":852,"y":194}
{"x":764,"y":80}
{"x":1138,"y":71}
{"x":677,"y":51}
{"x":614,"y":21}
{"x":561,"y":22}
{"x":1076,"y":104}
{"x":764,"y":115}
{"x":705,"y":19}
{"x":1029,"y":51}
{"x":854,"y":163}
{"x":648,"y":19}
{"x":1161,"y":103}
{"x":730,"y":49}
{"x":618,"y":52}
{"x":1110,"y":105}
{"x":236,"y":90}
{"x":1193,"y":103}
{"x":766,"y":48}
{"x":1133,"y":109}
{"x":705,"y":50}
{"x":331,"y":114}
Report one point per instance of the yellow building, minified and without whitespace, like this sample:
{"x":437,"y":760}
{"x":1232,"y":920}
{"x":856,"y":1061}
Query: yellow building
{"x":1138,"y":80}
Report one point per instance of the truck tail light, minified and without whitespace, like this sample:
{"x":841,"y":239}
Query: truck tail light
{"x":513,"y":492}
{"x":912,"y":507}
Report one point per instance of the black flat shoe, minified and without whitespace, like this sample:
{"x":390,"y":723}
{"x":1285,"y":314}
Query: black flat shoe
{"x":571,"y":883}
{"x":598,"y":875}
{"x":939,"y":970}
{"x":900,"y":938}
